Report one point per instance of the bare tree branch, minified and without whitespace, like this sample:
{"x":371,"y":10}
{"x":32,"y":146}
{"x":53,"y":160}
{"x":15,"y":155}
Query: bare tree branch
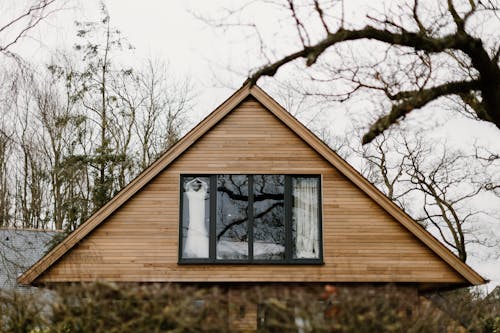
{"x":481,"y":91}
{"x":411,"y":100}
{"x":27,"y":20}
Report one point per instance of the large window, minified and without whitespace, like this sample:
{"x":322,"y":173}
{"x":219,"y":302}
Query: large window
{"x":250,"y":219}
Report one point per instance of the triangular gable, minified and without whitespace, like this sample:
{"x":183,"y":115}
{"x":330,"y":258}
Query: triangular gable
{"x":203,"y":127}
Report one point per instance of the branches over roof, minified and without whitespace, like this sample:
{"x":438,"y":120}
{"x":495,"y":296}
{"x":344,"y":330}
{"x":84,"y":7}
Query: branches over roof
{"x":481,"y":93}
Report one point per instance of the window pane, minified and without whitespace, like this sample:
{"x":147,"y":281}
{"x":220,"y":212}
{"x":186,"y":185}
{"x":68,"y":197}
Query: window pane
{"x":305,"y":217}
{"x":195,"y":217}
{"x":268,"y":213}
{"x":232,"y":217}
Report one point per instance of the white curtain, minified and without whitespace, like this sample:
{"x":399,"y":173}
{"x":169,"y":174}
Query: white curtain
{"x":305,"y":211}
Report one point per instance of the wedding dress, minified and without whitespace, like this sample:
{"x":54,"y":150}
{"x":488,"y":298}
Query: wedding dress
{"x":197,"y":235}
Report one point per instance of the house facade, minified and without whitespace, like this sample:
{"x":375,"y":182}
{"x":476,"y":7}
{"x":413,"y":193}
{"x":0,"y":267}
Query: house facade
{"x":251,"y":196}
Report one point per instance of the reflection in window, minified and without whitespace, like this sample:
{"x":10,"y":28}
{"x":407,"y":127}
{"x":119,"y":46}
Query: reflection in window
{"x":250,"y":218}
{"x":268,"y":214}
{"x":305,"y":217}
{"x":196,"y":217}
{"x":232,"y":217}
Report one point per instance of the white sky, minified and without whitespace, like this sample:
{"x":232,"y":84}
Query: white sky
{"x":168,"y":30}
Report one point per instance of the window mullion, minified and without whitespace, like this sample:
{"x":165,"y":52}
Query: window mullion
{"x":181,"y":221}
{"x":288,"y":218}
{"x":250,"y":217}
{"x":213,"y":218}
{"x":320,"y":218}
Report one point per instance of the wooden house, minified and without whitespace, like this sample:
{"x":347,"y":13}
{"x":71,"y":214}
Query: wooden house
{"x":251,"y":196}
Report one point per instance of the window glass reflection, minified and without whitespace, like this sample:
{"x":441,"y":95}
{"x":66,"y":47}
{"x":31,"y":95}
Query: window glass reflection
{"x":268,"y":214}
{"x":232,"y":217}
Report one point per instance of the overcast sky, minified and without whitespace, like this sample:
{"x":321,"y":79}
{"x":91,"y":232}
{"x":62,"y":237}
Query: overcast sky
{"x":218,"y":60}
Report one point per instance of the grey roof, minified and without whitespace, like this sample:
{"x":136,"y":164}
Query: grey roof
{"x":19,"y":249}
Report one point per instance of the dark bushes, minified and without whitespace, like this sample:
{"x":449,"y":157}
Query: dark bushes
{"x":125,"y":308}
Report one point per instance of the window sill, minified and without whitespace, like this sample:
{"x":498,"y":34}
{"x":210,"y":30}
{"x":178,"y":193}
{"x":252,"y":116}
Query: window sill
{"x":303,"y":262}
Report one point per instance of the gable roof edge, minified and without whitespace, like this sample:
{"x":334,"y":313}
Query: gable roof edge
{"x":373,"y":192}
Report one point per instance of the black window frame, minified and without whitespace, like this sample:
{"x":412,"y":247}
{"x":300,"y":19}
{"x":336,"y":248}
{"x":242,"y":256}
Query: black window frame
{"x":288,"y":206}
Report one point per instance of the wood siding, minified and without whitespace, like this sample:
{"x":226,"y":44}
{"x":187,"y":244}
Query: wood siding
{"x":362,"y":243}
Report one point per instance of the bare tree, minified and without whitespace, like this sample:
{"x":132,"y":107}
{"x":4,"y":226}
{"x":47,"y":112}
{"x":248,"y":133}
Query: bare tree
{"x":161,"y":113}
{"x":437,"y":185}
{"x":59,"y":128}
{"x":26,"y":17}
{"x":75,"y":132}
{"x":5,"y":194}
{"x":490,"y":160}
{"x":31,"y":181}
{"x":8,"y":94}
{"x":385,"y":165}
{"x":99,"y":42}
{"x":446,"y":186}
{"x":420,"y":52}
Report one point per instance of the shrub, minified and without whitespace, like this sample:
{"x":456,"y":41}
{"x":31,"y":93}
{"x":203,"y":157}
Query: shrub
{"x":110,"y":307}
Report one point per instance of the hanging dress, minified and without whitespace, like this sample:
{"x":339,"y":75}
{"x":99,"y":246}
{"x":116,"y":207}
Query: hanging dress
{"x":197,"y":234}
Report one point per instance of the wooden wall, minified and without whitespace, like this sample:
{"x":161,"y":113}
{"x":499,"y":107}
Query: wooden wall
{"x":362,"y":243}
